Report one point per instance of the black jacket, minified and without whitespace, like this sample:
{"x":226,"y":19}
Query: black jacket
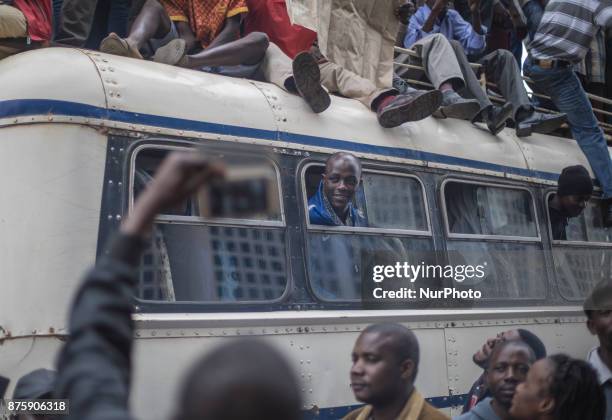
{"x":94,"y":366}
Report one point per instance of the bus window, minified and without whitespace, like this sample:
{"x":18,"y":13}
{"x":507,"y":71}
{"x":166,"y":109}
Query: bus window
{"x":393,"y":206}
{"x":495,"y":227}
{"x":474,"y":209}
{"x":585,"y":257}
{"x":225,"y":244}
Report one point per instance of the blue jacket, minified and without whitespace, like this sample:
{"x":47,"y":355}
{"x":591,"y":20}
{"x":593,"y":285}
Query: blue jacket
{"x":320,"y":212}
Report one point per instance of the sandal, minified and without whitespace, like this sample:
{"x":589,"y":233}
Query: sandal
{"x":114,"y":44}
{"x":173,"y":53}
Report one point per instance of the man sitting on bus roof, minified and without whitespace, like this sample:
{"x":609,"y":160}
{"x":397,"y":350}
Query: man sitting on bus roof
{"x":204,"y":35}
{"x":598,"y":310}
{"x":385,"y":364}
{"x":506,"y":368}
{"x":332,"y":205}
{"x":444,"y":40}
{"x":574,"y":189}
{"x":392,"y":108}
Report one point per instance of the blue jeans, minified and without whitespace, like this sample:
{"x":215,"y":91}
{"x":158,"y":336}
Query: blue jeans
{"x":566,"y":92}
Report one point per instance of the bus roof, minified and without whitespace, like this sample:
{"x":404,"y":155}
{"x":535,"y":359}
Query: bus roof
{"x":88,"y":87}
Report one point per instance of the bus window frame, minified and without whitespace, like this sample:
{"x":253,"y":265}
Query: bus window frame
{"x":218,"y":221}
{"x":365,"y":230}
{"x":560,"y":242}
{"x":197,"y":306}
{"x":348,"y":230}
{"x":488,"y":238}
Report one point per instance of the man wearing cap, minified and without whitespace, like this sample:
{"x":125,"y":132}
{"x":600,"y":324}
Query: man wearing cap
{"x":598,"y":309}
{"x":574,"y":189}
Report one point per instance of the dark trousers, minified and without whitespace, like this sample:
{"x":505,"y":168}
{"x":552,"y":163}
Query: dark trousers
{"x":81,"y":19}
{"x":500,"y":68}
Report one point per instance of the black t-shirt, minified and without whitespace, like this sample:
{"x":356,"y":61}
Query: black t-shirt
{"x":558,"y":223}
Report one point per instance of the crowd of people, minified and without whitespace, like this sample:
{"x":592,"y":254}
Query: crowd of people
{"x":94,"y":368}
{"x":256,"y":39}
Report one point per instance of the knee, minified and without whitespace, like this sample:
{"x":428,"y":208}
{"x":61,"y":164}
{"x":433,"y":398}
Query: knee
{"x":154,"y":4}
{"x":439,"y":38}
{"x":258,"y":40}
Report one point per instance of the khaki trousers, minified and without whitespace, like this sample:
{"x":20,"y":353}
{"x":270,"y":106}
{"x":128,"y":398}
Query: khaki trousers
{"x":277,"y":68}
{"x":12,"y":22}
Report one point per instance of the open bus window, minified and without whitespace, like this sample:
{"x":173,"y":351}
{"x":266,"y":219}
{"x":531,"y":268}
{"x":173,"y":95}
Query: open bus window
{"x":474,"y":209}
{"x":397,"y":226}
{"x":382,"y":201}
{"x":225,"y":244}
{"x":250,"y":190}
{"x":585,"y":257}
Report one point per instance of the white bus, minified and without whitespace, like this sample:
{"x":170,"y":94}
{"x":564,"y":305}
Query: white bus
{"x":81,"y":132}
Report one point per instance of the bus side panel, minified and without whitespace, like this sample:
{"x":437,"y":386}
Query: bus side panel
{"x":51,"y":183}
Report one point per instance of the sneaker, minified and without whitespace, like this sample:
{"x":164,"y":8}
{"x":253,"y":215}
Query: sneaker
{"x":307,"y":79}
{"x":454,"y":106}
{"x":393,"y":111}
{"x":539,"y":123}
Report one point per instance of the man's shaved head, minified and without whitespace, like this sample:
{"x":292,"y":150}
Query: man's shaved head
{"x":351,"y":159}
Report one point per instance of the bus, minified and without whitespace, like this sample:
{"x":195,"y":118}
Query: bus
{"x":82,"y":132}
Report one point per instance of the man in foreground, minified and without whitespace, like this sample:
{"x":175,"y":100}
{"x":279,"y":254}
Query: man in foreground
{"x":95,"y":364}
{"x":385,"y":365}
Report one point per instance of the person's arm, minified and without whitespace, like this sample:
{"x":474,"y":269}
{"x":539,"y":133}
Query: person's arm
{"x":476,"y":20}
{"x":603,"y":14}
{"x":438,"y":7}
{"x":472,"y":41}
{"x":94,"y":366}
{"x":403,"y":15}
{"x":415,"y":28}
{"x":229,"y":32}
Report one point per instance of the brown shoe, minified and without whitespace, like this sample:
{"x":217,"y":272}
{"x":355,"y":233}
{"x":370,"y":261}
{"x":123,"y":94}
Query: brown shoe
{"x":114,"y":44}
{"x":307,"y":78}
{"x":394,"y":111}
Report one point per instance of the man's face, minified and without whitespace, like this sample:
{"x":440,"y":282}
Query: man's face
{"x":376,"y":375}
{"x":482,"y":355}
{"x":573,"y":205}
{"x":531,"y":398}
{"x":340,"y":181}
{"x":507,"y":368}
{"x":600,"y":325}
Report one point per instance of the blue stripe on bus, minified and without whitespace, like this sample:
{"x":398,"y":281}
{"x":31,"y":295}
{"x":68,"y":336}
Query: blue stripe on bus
{"x":339,"y":412}
{"x":24,"y":107}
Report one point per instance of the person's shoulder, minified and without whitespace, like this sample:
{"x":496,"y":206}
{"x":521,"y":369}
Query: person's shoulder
{"x":354,"y":414}
{"x":466,"y":416}
{"x":429,"y":412}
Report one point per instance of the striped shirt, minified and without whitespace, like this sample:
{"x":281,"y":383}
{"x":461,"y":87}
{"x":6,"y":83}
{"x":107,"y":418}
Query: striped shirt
{"x":567,"y":28}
